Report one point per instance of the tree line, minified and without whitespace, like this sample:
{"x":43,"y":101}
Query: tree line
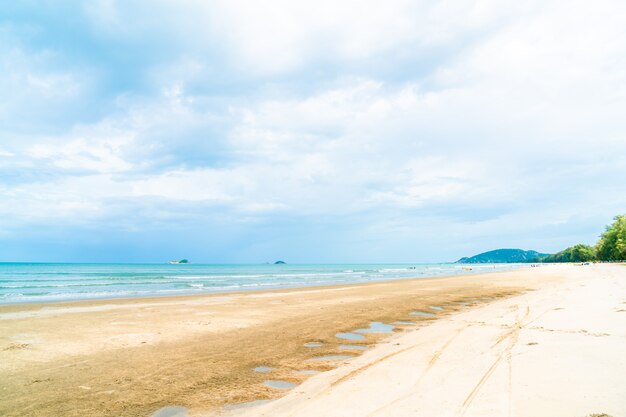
{"x":610,"y":247}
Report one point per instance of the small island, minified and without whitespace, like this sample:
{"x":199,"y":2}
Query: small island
{"x":280,"y":263}
{"x":182,"y":261}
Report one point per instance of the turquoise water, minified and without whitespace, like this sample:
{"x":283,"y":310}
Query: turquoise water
{"x":277,"y":384}
{"x":45,"y":282}
{"x":376,"y":327}
{"x":349,"y":336}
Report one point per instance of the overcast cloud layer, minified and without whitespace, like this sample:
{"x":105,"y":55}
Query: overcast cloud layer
{"x":366,"y":131}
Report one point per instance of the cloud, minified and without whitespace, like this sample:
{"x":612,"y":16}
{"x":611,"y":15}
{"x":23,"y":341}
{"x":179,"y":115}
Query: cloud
{"x":4,"y":153}
{"x":279,"y":37}
{"x":101,"y":155}
{"x":33,"y":92}
{"x":406,"y":127}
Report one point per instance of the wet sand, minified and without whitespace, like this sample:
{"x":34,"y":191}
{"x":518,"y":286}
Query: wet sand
{"x":133,"y":357}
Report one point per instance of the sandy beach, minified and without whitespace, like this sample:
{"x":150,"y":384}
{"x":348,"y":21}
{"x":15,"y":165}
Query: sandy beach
{"x":556,"y":351}
{"x":537,"y":341}
{"x":312,"y":208}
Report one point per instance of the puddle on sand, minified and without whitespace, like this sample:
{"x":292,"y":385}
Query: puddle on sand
{"x":403,"y":322}
{"x":309,"y":372}
{"x":464,"y":303}
{"x":171,"y":412}
{"x":436,"y":308}
{"x":350,"y":336}
{"x":246,"y":405}
{"x":377,"y":327}
{"x":263,"y":369}
{"x":276,"y":384}
{"x":350,"y":347}
{"x":313,"y":344}
{"x":331,"y":357}
{"x":421,"y":314}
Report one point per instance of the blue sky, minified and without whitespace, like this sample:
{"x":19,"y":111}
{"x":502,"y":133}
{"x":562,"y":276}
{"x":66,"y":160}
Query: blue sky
{"x":242,"y":131}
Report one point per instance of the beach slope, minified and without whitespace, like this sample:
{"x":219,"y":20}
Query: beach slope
{"x":556,"y":351}
{"x":531,"y":342}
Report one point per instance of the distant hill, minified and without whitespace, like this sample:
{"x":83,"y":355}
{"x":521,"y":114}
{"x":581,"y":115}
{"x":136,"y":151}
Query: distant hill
{"x":503,"y":256}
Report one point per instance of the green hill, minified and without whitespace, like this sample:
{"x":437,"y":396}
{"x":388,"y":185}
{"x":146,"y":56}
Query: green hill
{"x":503,"y":256}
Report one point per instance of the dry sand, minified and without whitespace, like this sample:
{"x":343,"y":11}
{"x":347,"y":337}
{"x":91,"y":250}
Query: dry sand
{"x":543,"y":341}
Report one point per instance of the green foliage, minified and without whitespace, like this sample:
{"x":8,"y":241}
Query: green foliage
{"x":612,"y":243}
{"x":610,"y":247}
{"x":578,"y":253}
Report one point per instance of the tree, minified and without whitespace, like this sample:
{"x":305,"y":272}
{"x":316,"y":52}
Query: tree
{"x":578,"y":253}
{"x":612,"y":243}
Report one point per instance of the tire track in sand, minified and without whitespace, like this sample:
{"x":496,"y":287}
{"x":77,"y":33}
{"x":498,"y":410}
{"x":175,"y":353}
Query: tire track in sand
{"x":433,"y":360}
{"x":507,"y":354}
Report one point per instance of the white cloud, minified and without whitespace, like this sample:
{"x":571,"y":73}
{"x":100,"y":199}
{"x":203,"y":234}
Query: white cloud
{"x":280,"y":36}
{"x":500,"y":114}
{"x":202,"y":185}
{"x":97,"y":155}
{"x":4,"y":153}
{"x":32,"y":75}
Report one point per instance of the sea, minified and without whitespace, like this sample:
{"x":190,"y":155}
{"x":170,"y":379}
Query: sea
{"x":52,"y":282}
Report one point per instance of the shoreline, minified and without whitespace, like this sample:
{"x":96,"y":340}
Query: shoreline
{"x":199,"y":350}
{"x":6,"y":307}
{"x":484,"y":268}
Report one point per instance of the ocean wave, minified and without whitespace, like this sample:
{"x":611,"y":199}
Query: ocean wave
{"x":89,"y":284}
{"x":118,"y":281}
{"x":42,"y":297}
{"x":389,"y":269}
{"x":214,"y":277}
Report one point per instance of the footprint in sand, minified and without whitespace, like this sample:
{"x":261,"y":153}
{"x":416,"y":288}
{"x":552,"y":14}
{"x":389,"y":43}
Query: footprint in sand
{"x":16,"y":346}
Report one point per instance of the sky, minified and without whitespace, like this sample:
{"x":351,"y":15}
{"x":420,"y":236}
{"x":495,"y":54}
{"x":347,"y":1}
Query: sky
{"x":313,"y":132}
